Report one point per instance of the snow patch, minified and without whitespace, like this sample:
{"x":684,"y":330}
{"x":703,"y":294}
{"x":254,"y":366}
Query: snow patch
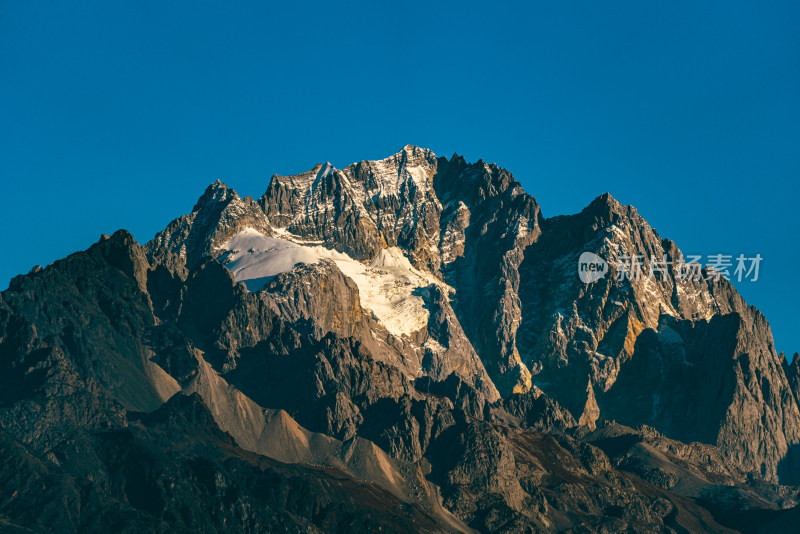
{"x":389,"y":286}
{"x":392,"y":289}
{"x":254,"y":258}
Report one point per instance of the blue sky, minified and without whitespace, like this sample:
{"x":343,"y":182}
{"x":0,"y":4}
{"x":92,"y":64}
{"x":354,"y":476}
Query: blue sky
{"x":118,"y":114}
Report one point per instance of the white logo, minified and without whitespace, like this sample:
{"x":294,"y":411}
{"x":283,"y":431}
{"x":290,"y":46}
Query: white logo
{"x":591,"y":267}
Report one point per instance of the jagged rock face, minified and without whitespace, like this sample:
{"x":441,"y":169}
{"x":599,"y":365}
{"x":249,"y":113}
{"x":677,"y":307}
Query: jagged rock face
{"x":572,"y":331}
{"x":518,"y":311}
{"x":394,"y":205}
{"x":650,"y":348}
{"x":715,"y":382}
{"x":502,"y":221}
{"x":96,"y":308}
{"x":218,"y":214}
{"x":792,"y":371}
{"x":363,"y":208}
{"x":413,"y":337}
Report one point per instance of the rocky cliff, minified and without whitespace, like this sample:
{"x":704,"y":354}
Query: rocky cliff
{"x":403,"y":345}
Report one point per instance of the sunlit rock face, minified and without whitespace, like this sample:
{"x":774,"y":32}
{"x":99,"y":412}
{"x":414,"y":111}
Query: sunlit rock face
{"x":413,"y":225}
{"x":401,"y":345}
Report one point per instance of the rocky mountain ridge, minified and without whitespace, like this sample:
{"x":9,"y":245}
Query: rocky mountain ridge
{"x":411,"y":336}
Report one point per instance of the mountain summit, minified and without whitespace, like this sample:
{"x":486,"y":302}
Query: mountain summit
{"x":403,"y":344}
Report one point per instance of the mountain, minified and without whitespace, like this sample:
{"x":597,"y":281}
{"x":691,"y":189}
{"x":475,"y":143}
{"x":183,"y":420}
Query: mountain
{"x":401,"y":345}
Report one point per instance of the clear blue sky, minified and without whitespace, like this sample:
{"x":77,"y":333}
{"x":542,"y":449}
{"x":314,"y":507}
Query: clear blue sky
{"x":118,"y":114}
